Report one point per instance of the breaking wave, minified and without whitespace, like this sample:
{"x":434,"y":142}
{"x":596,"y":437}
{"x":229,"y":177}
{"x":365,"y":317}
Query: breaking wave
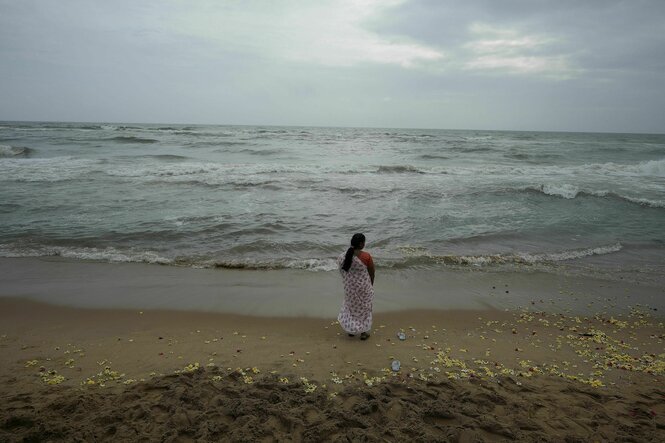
{"x":326,"y":264}
{"x":132,"y":139}
{"x":652,"y":168}
{"x":399,"y":169}
{"x":564,"y":190}
{"x":115,"y":255}
{"x":502,"y":259}
{"x":7,"y":151}
{"x":168,"y":157}
{"x":110,"y":254}
{"x":569,"y":191}
{"x":54,"y":169}
{"x":434,"y":157}
{"x":312,"y":264}
{"x":261,"y":152}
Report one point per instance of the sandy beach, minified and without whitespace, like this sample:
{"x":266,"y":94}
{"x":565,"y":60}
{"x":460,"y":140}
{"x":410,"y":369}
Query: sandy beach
{"x":483,"y":374}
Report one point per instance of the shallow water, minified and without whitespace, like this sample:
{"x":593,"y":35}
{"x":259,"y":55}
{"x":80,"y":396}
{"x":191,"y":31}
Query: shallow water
{"x":300,"y":293}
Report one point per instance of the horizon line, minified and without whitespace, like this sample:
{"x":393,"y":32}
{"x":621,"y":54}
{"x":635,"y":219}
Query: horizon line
{"x":332,"y":127}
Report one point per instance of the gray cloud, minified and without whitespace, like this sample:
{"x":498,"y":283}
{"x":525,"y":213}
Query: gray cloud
{"x":593,"y":65}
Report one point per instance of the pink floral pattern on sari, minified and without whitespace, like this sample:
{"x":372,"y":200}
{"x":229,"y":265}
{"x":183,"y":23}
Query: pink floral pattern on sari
{"x":355,"y":316}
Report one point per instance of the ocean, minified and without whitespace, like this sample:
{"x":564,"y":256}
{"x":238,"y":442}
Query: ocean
{"x":262,"y":197}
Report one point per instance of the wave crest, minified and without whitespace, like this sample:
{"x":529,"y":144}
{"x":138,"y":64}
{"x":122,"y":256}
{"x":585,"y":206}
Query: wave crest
{"x":53,"y":169}
{"x":14,"y":151}
{"x":424,"y":258}
{"x":312,"y":264}
{"x":399,"y":169}
{"x":110,"y":254}
{"x":569,"y":191}
{"x":563,"y":190}
{"x":132,"y":139}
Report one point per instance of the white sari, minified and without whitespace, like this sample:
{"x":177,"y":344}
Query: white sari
{"x":355,"y":317}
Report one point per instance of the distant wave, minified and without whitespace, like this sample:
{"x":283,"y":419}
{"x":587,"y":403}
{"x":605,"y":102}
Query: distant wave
{"x":7,"y":208}
{"x":647,"y":168}
{"x":112,"y":127}
{"x":470,"y":148}
{"x":132,"y":139}
{"x":563,"y":190}
{"x":652,"y":167}
{"x":261,"y":152}
{"x":434,"y":157}
{"x":221,"y":143}
{"x":399,"y":169}
{"x":569,"y":191}
{"x":208,"y":172}
{"x":643,"y":169}
{"x":159,"y":157}
{"x":168,"y":157}
{"x":7,"y":151}
{"x":404,"y":134}
{"x":534,"y":158}
{"x":271,"y":131}
{"x":517,"y":156}
{"x":53,"y":169}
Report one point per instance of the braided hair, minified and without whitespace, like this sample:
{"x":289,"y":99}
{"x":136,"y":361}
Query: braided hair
{"x":356,"y":241}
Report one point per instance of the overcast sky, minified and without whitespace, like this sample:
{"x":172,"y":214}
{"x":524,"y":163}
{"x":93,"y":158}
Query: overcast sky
{"x":578,"y":65}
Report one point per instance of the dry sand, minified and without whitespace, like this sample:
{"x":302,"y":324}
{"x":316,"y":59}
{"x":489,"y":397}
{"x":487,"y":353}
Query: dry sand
{"x":71,"y":374}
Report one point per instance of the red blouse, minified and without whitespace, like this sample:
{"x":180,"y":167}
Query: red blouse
{"x":366,"y":258}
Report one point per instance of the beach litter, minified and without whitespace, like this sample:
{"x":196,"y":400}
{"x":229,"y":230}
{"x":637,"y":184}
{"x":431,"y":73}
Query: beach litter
{"x":401,"y":335}
{"x":395,"y":365}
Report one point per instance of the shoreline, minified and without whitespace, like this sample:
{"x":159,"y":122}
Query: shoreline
{"x":302,"y":293}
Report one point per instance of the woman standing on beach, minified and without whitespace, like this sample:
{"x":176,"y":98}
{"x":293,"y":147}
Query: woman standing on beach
{"x":357,"y":269}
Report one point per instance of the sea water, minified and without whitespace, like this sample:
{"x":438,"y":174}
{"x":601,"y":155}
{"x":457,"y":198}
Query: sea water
{"x":291,"y":197}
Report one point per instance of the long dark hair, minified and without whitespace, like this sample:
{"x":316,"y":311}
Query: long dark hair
{"x":356,"y":241}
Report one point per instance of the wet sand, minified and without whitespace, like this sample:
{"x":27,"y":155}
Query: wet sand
{"x":301,"y":293}
{"x":531,"y":373}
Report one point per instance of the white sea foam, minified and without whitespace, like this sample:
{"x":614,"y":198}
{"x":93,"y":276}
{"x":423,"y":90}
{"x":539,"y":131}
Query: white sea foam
{"x":646,"y":202}
{"x":313,"y":264}
{"x":637,"y":200}
{"x":564,"y":190}
{"x":569,"y":191}
{"x":647,"y":169}
{"x":45,"y":169}
{"x":415,"y":258}
{"x":11,"y":151}
{"x":570,"y":254}
{"x":109,"y":254}
{"x":418,"y":256}
{"x":114,"y":255}
{"x":654,"y":168}
{"x":213,"y":173}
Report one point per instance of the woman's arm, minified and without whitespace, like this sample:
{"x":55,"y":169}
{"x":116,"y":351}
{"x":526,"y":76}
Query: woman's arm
{"x":367,"y":260}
